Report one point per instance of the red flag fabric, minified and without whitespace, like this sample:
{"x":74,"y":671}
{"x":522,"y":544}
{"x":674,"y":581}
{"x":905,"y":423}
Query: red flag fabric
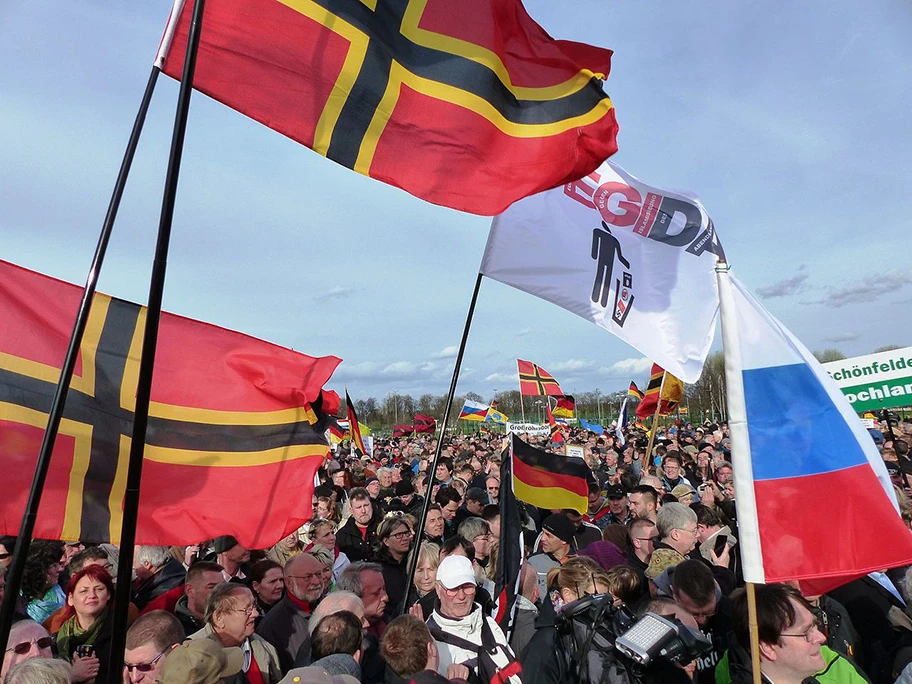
{"x":425,"y":423}
{"x":233,"y":422}
{"x":354,"y":426}
{"x":557,"y":434}
{"x":402,"y":430}
{"x":671,"y":393}
{"x":536,"y":381}
{"x":471,"y":105}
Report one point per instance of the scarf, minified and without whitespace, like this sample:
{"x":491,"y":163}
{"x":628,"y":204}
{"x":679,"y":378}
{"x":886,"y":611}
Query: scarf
{"x":72,"y":635}
{"x":306,"y":606}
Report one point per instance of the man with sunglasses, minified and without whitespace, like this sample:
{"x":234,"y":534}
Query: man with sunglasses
{"x":27,"y":640}
{"x":463,"y":633}
{"x":149,"y":640}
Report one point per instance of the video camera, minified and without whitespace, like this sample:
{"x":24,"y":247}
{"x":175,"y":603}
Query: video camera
{"x":608,"y":643}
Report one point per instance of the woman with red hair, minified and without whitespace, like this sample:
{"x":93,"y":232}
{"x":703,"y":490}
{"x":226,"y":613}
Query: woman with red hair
{"x":84,"y":638}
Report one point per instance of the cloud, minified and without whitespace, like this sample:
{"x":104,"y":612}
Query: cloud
{"x":335,"y":293}
{"x":396,"y":371}
{"x":503,"y":378}
{"x":446,"y":353}
{"x":626,"y":368}
{"x":785,"y":287}
{"x":842,"y":337}
{"x":572,"y":366}
{"x":867,"y":290}
{"x":524,"y":332}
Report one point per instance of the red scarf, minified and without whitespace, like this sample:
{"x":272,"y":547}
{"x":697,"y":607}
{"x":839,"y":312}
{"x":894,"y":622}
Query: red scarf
{"x":254,"y":676}
{"x":303,"y":605}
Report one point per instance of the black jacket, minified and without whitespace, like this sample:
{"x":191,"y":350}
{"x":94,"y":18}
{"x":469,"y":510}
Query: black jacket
{"x":286,"y":628}
{"x":171,"y":575}
{"x":352,"y":544}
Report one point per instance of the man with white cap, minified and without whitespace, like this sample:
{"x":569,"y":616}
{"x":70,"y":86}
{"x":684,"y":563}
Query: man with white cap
{"x":463,"y":633}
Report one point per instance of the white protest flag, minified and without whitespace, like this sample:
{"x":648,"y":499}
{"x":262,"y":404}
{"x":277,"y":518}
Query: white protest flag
{"x":635,"y":260}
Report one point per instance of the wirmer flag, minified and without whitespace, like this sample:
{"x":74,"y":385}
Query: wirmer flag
{"x":357,"y":442}
{"x":473,"y":410}
{"x":557,"y":434}
{"x":549,"y":480}
{"x":425,"y":423}
{"x":664,"y":390}
{"x":471,"y":105}
{"x":635,"y":260}
{"x":796,"y":444}
{"x":233,"y":421}
{"x":536,"y":381}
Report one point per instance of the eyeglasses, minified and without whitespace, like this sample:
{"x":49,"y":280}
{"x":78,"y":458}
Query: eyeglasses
{"x":466,"y":589}
{"x":146,"y":667}
{"x":483,"y":536}
{"x":804,"y":635}
{"x":309,"y":577}
{"x":26,"y":646}
{"x":403,"y":535}
{"x":693,"y":531}
{"x":646,"y":539}
{"x":249,"y":610}
{"x":4,"y":556}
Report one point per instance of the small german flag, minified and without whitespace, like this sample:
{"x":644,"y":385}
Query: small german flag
{"x":671,"y":389}
{"x":549,"y":480}
{"x":634,"y":391}
{"x":566,"y":407}
{"x":535,"y":381}
{"x":354,"y":427}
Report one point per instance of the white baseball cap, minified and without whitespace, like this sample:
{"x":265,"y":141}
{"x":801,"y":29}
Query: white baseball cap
{"x":455,"y":571}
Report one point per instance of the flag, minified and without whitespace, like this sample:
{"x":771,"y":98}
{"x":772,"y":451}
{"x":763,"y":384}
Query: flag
{"x":336,"y":433}
{"x":621,"y":422}
{"x":796,"y":444}
{"x":549,"y":480}
{"x":402,"y":430}
{"x":566,"y":406}
{"x":233,"y":422}
{"x":683,"y":410}
{"x":473,"y":410}
{"x":510,"y":552}
{"x":671,"y":389}
{"x":535,"y":380}
{"x":557,"y":435}
{"x":357,"y":443}
{"x":467,"y":105}
{"x":635,"y":260}
{"x":425,"y":423}
{"x":495,"y":416}
{"x":634,"y":391}
{"x":592,"y":427}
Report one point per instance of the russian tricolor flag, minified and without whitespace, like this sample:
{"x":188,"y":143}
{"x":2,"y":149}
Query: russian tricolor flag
{"x":814,"y":500}
{"x":473,"y":410}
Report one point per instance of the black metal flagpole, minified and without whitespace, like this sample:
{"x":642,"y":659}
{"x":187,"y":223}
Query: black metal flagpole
{"x":147,"y":362}
{"x":432,"y":469}
{"x":27,"y":527}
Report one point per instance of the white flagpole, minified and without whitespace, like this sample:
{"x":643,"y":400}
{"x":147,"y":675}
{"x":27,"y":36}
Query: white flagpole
{"x":745,"y":496}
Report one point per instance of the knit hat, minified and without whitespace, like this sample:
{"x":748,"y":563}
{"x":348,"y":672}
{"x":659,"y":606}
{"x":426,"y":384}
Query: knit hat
{"x":661,"y":560}
{"x":606,"y":554}
{"x":404,"y":488}
{"x":370,"y":481}
{"x":201,"y":661}
{"x":560,"y":526}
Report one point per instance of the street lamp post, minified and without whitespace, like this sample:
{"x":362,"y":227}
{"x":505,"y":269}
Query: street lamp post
{"x":598,"y":399}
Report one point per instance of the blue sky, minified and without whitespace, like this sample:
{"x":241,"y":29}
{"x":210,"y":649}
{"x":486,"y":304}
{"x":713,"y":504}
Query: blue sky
{"x":788,"y":120}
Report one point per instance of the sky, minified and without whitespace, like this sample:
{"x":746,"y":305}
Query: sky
{"x":788,"y":120}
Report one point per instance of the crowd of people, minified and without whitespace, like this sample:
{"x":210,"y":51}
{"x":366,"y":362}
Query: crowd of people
{"x":333,"y":601}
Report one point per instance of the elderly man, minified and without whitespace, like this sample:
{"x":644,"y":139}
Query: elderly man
{"x":365,"y":580}
{"x":462,"y":632}
{"x":149,"y":640}
{"x":286,"y":625}
{"x":677,"y":525}
{"x":157,"y":571}
{"x":27,"y":640}
{"x":790,"y":642}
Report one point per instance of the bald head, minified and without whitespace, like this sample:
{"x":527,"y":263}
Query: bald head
{"x":529,"y":583}
{"x":336,"y":602}
{"x":304,"y":577}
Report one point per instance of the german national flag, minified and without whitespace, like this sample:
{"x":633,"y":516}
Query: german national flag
{"x":566,"y":407}
{"x":672,"y":390}
{"x":634,"y":391}
{"x":235,"y":424}
{"x":471,"y":105}
{"x":536,"y":381}
{"x":354,"y":426}
{"x":549,"y":480}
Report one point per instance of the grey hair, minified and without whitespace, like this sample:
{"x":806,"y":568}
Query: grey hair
{"x":384,"y":471}
{"x":156,"y":556}
{"x":39,"y":671}
{"x":351,"y":577}
{"x":221,"y":597}
{"x":472,"y":527}
{"x":334,"y":602}
{"x":674,"y":516}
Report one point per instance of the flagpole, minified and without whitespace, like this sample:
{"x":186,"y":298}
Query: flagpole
{"x":27,"y":527}
{"x":754,"y":632}
{"x":147,"y":361}
{"x":655,"y":418}
{"x":432,"y":470}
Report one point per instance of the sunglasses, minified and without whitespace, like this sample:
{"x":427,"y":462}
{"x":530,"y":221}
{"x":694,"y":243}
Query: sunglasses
{"x":26,"y":646}
{"x":146,"y":667}
{"x":4,"y":556}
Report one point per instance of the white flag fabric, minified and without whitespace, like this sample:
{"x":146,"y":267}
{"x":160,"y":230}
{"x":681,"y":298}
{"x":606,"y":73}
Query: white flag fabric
{"x":635,"y":260}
